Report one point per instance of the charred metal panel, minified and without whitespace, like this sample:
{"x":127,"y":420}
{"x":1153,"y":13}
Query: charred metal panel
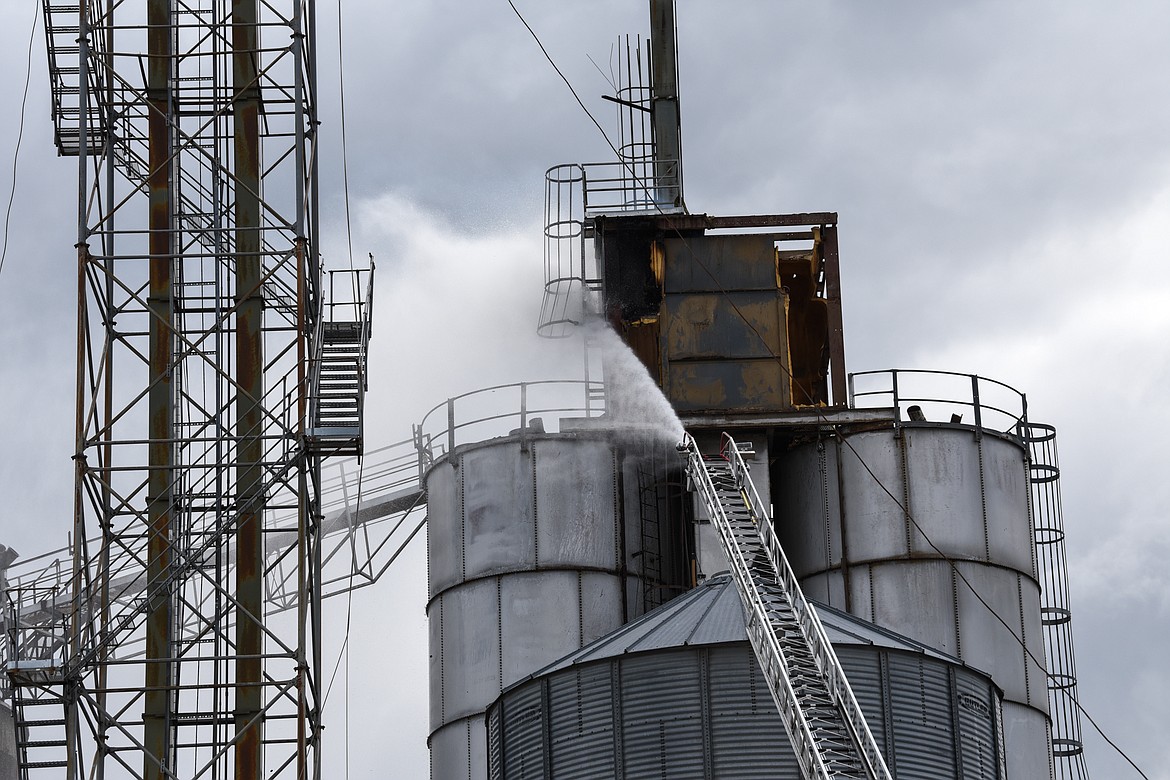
{"x":798,"y":273}
{"x":720,"y":263}
{"x":680,"y":296}
{"x":724,"y":326}
{"x":623,"y":254}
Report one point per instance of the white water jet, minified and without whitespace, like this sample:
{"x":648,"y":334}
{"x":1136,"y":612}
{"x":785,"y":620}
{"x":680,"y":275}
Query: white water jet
{"x":634,"y":401}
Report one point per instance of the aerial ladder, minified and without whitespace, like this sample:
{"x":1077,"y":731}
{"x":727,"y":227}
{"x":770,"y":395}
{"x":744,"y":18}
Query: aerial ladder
{"x":820,"y":713}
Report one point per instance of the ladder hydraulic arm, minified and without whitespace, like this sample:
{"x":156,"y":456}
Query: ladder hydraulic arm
{"x":820,"y":713}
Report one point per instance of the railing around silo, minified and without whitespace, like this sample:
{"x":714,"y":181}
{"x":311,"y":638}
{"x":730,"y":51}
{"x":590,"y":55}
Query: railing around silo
{"x":521,"y":408}
{"x":941,"y":397}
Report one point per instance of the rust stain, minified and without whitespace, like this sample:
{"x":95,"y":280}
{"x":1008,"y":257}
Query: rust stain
{"x":690,"y":390}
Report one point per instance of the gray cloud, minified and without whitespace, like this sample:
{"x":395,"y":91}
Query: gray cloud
{"x":1001,"y":173}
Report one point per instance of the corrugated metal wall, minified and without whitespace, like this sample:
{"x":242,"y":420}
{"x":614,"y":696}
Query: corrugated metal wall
{"x":961,"y":525}
{"x":534,"y":550}
{"x":706,"y":712}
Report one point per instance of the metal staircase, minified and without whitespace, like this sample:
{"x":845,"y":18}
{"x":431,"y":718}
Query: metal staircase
{"x":339,"y":374}
{"x":38,"y":712}
{"x":824,"y":722}
{"x":62,"y":31}
{"x":35,"y":646}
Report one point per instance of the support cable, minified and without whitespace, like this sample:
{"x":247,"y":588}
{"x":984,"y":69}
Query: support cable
{"x":20,"y":133}
{"x":343,"y":653}
{"x":344,"y":150}
{"x":950,"y":561}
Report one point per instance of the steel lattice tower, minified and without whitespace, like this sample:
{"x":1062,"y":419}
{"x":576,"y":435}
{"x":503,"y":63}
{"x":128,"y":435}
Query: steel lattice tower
{"x":201,"y":329}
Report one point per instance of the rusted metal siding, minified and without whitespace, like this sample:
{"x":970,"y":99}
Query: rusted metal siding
{"x":724,"y":326}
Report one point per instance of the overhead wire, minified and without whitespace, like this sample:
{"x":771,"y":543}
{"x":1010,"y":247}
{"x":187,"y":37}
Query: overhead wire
{"x":343,"y":654}
{"x":739,"y":313}
{"x":20,"y":133}
{"x":345,"y":151}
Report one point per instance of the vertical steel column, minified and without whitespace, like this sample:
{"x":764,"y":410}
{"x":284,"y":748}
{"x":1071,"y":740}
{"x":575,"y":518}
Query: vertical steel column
{"x":101,"y":673}
{"x":828,"y":235}
{"x":249,"y":378}
{"x":664,"y":114}
{"x":73,"y":758}
{"x":158,"y":673}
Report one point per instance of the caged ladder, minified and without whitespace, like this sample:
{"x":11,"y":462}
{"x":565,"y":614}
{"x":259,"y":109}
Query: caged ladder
{"x":824,"y":722}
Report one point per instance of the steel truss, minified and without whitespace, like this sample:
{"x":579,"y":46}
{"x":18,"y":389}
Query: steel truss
{"x":197,"y":325}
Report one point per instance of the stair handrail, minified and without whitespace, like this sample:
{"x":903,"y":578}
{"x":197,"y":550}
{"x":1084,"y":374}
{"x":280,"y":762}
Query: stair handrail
{"x":315,"y":358}
{"x":367,"y":320}
{"x":765,"y":643}
{"x":814,"y":631}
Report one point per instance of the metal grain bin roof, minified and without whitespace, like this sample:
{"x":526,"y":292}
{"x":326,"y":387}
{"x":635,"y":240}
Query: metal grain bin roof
{"x":712,"y":614}
{"x":679,"y":694}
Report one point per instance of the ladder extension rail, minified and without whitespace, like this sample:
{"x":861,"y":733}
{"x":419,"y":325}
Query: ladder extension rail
{"x":767,"y":648}
{"x":814,"y":630}
{"x":766,"y":644}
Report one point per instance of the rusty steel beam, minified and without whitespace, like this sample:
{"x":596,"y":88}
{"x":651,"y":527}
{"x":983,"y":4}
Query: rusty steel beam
{"x":249,"y":666}
{"x":836,"y":324}
{"x":158,"y":669}
{"x":699,"y":222}
{"x":706,"y":222}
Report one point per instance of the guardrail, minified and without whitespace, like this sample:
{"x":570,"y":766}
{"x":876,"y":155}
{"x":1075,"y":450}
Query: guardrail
{"x":947,"y":397}
{"x":523,"y":408}
{"x":574,"y":193}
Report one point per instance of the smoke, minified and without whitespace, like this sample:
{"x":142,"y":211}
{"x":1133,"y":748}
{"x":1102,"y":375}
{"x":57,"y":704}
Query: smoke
{"x":634,"y":400}
{"x":455,"y":312}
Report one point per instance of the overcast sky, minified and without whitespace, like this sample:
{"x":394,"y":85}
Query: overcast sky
{"x":1002,"y":175}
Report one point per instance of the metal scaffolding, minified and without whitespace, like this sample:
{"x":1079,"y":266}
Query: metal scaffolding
{"x":200,"y":340}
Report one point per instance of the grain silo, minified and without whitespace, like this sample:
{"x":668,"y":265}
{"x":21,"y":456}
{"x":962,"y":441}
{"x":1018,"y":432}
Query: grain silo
{"x":903,"y":502}
{"x":679,"y":694}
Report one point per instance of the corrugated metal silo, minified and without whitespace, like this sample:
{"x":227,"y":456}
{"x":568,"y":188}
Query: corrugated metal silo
{"x":678,"y":694}
{"x":537,"y":545}
{"x":945,"y":557}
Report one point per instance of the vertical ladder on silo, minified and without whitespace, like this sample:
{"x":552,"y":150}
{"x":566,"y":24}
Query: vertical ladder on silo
{"x":591,"y":351}
{"x":820,"y":713}
{"x":650,"y":551}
